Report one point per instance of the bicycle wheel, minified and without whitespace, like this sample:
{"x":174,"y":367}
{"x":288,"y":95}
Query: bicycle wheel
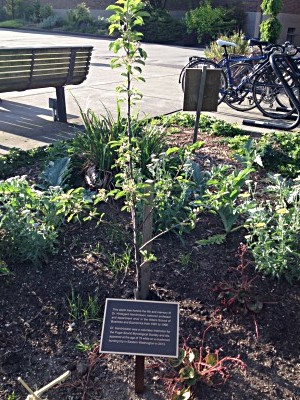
{"x":269,"y":93}
{"x":239,"y":93}
{"x":200,"y":63}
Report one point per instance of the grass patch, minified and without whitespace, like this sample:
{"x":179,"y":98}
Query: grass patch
{"x":12,"y":23}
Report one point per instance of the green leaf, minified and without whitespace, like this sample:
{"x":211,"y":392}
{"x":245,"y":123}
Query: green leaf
{"x":175,"y":362}
{"x":211,"y":359}
{"x":215,"y":239}
{"x":172,"y":150}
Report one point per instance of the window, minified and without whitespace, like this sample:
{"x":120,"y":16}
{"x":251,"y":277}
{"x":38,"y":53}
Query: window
{"x":291,"y":33}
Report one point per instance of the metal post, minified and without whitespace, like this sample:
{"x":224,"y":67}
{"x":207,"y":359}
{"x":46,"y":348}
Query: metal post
{"x":61,"y":104}
{"x":200,"y":102}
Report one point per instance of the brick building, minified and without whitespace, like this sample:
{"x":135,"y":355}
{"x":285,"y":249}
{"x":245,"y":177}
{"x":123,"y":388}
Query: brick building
{"x":289,"y":18}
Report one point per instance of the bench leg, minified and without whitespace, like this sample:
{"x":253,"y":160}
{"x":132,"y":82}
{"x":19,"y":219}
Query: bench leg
{"x":61,"y":104}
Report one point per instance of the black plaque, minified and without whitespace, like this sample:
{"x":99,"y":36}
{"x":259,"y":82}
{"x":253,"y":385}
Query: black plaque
{"x":138,"y":327}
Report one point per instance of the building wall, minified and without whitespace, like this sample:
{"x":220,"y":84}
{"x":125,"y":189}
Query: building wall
{"x":289,"y":18}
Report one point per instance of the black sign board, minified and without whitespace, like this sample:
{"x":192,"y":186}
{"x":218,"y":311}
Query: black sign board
{"x":138,"y":327}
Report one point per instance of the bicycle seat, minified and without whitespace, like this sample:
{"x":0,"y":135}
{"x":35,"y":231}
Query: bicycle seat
{"x":223,"y":43}
{"x":256,"y":42}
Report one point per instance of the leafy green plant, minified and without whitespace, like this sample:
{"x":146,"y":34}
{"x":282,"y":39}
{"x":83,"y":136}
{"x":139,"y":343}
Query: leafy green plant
{"x":182,"y":119}
{"x":46,"y":11}
{"x":3,"y":266}
{"x":185,"y":259}
{"x":222,"y":194}
{"x":51,"y":22}
{"x":200,"y":365}
{"x":280,"y":153}
{"x":222,"y":128}
{"x":211,"y":240}
{"x":219,"y":127}
{"x":31,"y":220}
{"x":74,"y":305}
{"x":12,"y":396}
{"x":56,"y":173}
{"x":172,"y":172}
{"x":274,"y":230}
{"x":17,"y":158}
{"x":92,"y":151}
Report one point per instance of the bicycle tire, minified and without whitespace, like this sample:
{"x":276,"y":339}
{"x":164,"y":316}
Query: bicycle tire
{"x":200,"y":63}
{"x":239,"y":95}
{"x":268,"y":93}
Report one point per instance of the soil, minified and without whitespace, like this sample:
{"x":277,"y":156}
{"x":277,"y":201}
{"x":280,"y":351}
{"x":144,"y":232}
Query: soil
{"x":38,"y":337}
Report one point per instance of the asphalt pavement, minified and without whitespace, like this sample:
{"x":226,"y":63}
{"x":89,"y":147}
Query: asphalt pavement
{"x":26,"y":121}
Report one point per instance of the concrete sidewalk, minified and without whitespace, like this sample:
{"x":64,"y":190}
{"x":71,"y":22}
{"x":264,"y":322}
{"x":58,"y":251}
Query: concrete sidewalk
{"x":27,"y":122}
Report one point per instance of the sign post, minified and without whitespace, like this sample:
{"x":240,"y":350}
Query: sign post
{"x":201,"y":92}
{"x":141,"y":328}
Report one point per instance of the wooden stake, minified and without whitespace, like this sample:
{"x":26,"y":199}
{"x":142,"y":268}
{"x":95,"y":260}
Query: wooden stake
{"x":146,"y":238}
{"x":145,"y":276}
{"x":29,"y":390}
{"x":55,"y":382}
{"x":36,"y":395}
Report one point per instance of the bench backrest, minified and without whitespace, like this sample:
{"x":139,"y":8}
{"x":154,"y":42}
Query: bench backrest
{"x":25,"y":68}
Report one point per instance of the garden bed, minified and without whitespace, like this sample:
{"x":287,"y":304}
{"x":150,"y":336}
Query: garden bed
{"x":45,"y":332}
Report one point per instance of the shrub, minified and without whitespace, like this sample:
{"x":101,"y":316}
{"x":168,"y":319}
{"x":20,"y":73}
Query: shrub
{"x":51,"y":22}
{"x":3,"y":14}
{"x":216,"y":52}
{"x":161,"y":27}
{"x":46,"y":11}
{"x":80,"y":19}
{"x":30,"y":219}
{"x":274,"y":230}
{"x":270,"y":29}
{"x":204,"y":20}
{"x":280,"y":153}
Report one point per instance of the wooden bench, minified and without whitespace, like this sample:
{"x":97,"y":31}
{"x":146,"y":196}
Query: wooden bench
{"x":25,"y":68}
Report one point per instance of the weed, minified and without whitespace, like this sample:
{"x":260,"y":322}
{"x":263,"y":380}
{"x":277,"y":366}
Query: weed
{"x":74,"y":305}
{"x":118,"y":263}
{"x":84,"y":347}
{"x":12,"y":396}
{"x":79,"y":310}
{"x":185,"y":259}
{"x":211,"y":240}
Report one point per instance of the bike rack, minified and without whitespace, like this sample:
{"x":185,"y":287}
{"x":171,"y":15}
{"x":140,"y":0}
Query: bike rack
{"x":277,"y":61}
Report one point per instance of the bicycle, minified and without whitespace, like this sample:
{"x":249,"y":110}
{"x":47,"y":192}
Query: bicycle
{"x":233,"y":69}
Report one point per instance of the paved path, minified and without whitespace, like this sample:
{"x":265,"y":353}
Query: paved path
{"x":26,"y":121}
